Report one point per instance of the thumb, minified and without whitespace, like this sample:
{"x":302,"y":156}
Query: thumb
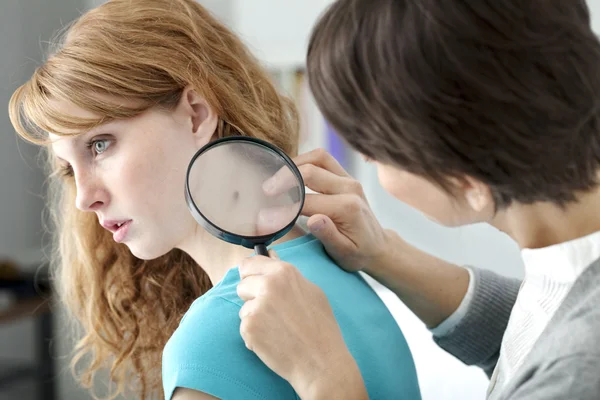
{"x":323,"y":228}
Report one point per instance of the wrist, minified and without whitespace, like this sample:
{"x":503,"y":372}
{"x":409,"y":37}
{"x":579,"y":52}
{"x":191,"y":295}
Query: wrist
{"x":339,"y":379}
{"x":431,"y":287}
{"x":386,"y":257}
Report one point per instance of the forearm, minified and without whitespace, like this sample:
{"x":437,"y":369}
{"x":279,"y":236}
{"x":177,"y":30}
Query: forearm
{"x":342,"y":380}
{"x":477,"y":337}
{"x":430,"y":287}
{"x":434,"y":289}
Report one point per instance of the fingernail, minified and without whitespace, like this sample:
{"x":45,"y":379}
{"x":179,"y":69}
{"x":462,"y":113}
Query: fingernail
{"x":317,"y":225}
{"x":269,"y":185}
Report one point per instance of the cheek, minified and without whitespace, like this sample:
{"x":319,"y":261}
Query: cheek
{"x":395,"y":184}
{"x":139,"y":181}
{"x":420,"y":194}
{"x":149,"y":181}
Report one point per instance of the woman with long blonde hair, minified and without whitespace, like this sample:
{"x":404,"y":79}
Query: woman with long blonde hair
{"x":134,"y":89}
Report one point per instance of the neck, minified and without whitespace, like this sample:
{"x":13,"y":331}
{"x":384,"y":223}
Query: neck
{"x":216,"y":256}
{"x":543,"y":224}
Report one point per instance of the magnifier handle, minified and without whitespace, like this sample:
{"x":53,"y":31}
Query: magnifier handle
{"x":261,"y":250}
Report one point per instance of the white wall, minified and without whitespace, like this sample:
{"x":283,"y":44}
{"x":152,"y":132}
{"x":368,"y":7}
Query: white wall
{"x":594,"y":6}
{"x":277,"y":31}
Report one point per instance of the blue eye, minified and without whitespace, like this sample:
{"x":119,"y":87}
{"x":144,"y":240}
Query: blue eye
{"x":100,"y":146}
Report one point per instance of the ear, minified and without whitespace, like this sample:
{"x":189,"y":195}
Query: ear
{"x":198,"y":115}
{"x":477,"y":194}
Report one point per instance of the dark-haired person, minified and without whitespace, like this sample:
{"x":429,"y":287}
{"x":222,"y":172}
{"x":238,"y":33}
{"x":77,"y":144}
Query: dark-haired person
{"x":473,"y":111}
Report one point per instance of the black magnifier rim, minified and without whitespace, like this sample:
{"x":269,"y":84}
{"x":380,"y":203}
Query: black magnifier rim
{"x":246,"y":241}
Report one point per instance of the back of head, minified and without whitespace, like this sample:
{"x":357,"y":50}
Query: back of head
{"x":146,"y":52}
{"x":503,"y":91}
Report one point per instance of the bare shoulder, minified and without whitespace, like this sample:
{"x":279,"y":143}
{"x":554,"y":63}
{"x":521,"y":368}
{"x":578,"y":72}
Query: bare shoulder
{"x":190,"y":394}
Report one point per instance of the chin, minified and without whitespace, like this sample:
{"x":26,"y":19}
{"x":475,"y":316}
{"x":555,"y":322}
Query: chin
{"x":147,"y":253}
{"x":445,"y":222}
{"x":431,"y":218}
{"x":435,"y":219}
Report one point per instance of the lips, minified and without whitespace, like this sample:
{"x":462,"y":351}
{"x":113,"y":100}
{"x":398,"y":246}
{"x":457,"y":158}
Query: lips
{"x":113,"y":225}
{"x":119,"y":228}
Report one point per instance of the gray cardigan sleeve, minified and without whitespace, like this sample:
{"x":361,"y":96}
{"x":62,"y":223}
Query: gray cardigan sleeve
{"x":476,"y":338}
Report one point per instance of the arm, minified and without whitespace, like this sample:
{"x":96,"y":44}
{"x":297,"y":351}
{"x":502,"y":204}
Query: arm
{"x":306,"y":349}
{"x":206,"y":355}
{"x":434,"y":289}
{"x":342,"y":219}
{"x":429,"y":286}
{"x":476,"y":337}
{"x":189,"y":394}
{"x":346,"y":384}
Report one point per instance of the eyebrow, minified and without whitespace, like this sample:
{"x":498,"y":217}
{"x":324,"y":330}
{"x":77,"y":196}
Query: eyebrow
{"x":76,"y":140}
{"x":79,"y":137}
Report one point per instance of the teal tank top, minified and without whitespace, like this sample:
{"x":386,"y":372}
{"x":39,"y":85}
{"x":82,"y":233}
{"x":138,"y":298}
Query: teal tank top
{"x":206,"y":352}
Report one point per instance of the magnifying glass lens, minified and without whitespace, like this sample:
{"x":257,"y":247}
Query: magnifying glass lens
{"x":225,"y":192}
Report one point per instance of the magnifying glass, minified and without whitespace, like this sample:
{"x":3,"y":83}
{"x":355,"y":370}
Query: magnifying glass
{"x":224,"y":191}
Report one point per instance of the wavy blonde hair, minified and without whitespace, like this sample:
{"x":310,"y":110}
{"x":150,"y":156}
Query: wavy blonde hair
{"x":147,"y":51}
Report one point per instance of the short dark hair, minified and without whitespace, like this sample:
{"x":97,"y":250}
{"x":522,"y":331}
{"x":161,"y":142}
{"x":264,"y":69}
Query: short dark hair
{"x":504,"y":91}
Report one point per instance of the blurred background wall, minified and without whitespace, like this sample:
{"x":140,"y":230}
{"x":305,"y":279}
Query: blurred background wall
{"x":277,"y":31}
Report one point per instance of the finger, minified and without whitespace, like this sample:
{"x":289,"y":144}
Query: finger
{"x":321,"y":180}
{"x":338,"y":207}
{"x":247,"y":309}
{"x":246,"y":338}
{"x":273,"y":254}
{"x":285,"y":179}
{"x":255,"y":265}
{"x":271,"y":220}
{"x":321,"y":158}
{"x":323,"y":228}
{"x":315,"y":177}
{"x":281,"y":181}
{"x":250,"y":287}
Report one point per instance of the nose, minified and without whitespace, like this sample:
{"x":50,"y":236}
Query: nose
{"x":91,"y":196}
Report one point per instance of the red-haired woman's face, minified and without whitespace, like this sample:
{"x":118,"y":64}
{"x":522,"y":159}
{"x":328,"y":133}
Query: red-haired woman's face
{"x":131,"y":173}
